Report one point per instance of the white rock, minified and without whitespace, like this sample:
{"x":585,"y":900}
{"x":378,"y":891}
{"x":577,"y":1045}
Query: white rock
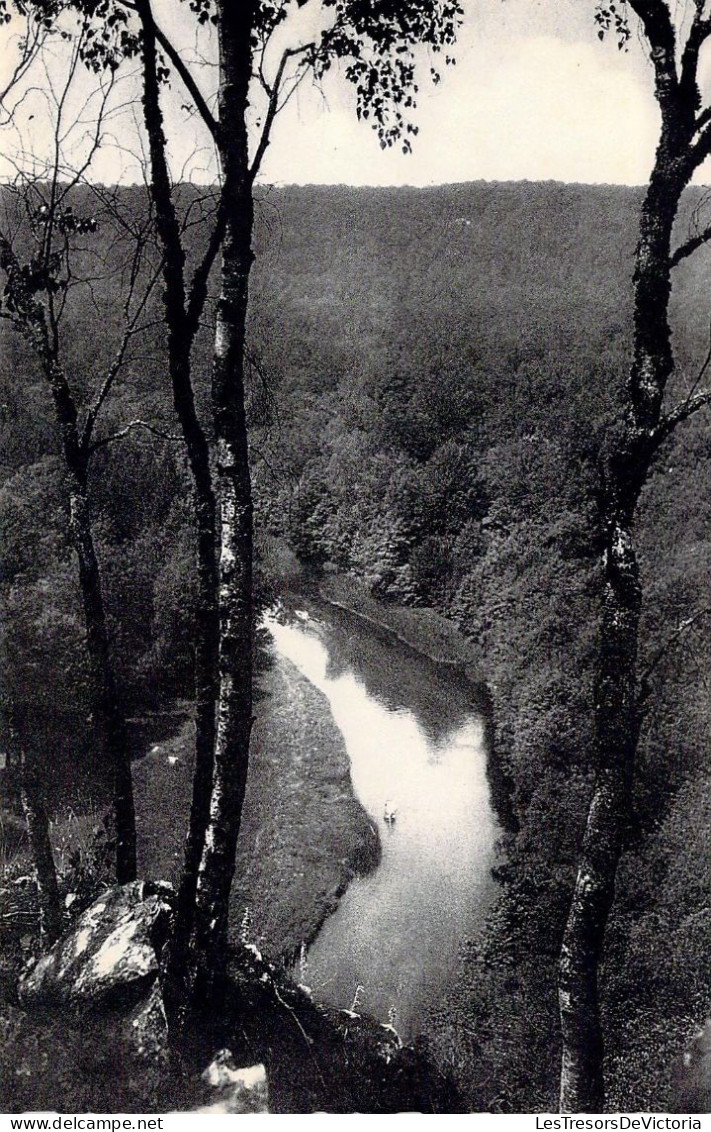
{"x":241,"y":1090}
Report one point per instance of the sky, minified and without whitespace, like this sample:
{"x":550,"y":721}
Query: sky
{"x":534,"y":95}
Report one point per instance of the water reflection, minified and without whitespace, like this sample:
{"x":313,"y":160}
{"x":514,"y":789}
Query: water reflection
{"x":397,"y":932}
{"x":395,"y":674}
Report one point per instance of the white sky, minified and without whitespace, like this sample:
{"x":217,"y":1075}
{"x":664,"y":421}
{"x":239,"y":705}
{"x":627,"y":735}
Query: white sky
{"x":534,"y":95}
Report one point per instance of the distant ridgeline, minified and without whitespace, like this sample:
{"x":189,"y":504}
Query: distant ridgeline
{"x":432,"y":373}
{"x":442,"y":364}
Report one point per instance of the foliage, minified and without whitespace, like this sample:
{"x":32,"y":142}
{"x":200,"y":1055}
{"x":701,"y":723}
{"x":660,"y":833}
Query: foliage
{"x":464,"y":477}
{"x":454,"y":468}
{"x":377,"y":39}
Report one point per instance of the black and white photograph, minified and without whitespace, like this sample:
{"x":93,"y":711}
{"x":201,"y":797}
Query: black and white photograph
{"x":355,"y":560}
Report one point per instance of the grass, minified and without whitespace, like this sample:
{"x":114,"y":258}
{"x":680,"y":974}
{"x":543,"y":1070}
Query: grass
{"x":303,"y":836}
{"x":422,"y":629}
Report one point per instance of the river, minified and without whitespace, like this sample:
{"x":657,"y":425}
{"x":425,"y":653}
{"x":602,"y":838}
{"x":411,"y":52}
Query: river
{"x":415,"y":741}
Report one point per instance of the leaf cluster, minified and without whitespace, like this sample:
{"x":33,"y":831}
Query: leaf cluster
{"x":613,"y":17}
{"x":103,"y":28}
{"x":377,"y":40}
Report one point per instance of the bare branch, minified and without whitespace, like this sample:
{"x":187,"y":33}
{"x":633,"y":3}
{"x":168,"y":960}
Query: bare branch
{"x":189,"y":83}
{"x":146,"y":425}
{"x":672,"y":637}
{"x":130,"y":330}
{"x":701,"y":150}
{"x":691,"y":245}
{"x":703,"y":118}
{"x":275,"y":90}
{"x":198,"y":287}
{"x":681,"y":413}
{"x":30,"y":43}
{"x":57,"y":139}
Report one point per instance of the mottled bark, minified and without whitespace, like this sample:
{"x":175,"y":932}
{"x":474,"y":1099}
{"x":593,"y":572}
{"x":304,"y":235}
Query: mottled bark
{"x":234,"y":714}
{"x":581,"y":1088}
{"x":42,"y":857}
{"x":624,"y":466}
{"x":182,"y":322}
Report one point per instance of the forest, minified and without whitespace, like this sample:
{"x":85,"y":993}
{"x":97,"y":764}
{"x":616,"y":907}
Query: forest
{"x":431,"y":381}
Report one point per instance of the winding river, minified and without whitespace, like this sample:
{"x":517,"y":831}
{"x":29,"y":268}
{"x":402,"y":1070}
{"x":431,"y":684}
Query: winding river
{"x":415,"y":741}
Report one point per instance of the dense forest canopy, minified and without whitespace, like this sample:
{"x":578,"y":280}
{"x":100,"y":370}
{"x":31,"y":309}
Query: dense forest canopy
{"x":430,"y":371}
{"x":419,"y":325}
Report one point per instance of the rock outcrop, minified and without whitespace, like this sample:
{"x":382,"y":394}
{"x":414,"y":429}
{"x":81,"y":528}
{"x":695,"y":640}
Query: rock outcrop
{"x":110,"y":958}
{"x":97,"y":1037}
{"x":99,"y":988}
{"x":237,"y":1090}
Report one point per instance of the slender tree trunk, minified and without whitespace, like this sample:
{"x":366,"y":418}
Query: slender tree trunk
{"x":234,"y":715}
{"x":206,"y":683}
{"x":105,"y":695}
{"x":180,"y":340}
{"x":42,"y":856}
{"x":616,"y":738}
{"x":107,"y":707}
{"x":624,"y":467}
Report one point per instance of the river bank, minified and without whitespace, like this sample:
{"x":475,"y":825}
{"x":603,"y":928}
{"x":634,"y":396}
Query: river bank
{"x":433,"y":636}
{"x":414,"y":735}
{"x":304,"y":836}
{"x":421,"y":629}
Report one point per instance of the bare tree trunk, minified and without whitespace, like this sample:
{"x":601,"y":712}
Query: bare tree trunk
{"x":42,"y":857}
{"x":624,"y":466}
{"x":181,"y":333}
{"x":581,"y":1086}
{"x":206,"y":683}
{"x":234,"y":715}
{"x":106,"y":700}
{"x":106,"y":703}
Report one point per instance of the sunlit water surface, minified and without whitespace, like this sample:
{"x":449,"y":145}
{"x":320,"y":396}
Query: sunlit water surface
{"x":415,"y":741}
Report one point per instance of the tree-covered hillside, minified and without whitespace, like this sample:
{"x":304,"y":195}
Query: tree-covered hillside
{"x":431,"y":372}
{"x":439,"y":400}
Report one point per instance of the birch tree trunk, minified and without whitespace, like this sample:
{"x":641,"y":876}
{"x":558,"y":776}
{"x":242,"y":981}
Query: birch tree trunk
{"x":624,"y":466}
{"x":234,"y":714}
{"x":616,"y":728}
{"x":181,"y":333}
{"x":42,"y":857}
